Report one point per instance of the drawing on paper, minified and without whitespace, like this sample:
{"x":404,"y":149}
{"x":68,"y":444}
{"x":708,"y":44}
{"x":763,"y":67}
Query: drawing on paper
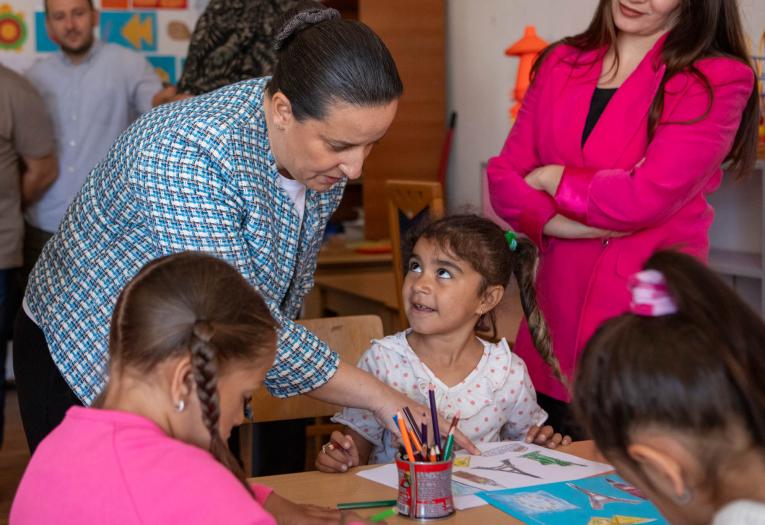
{"x":507,"y":466}
{"x":504,"y":449}
{"x":475,"y":478}
{"x":544,"y":459}
{"x":626,"y":487}
{"x":537,"y":502}
{"x":598,"y":500}
{"x":619,"y":520}
{"x":462,"y":461}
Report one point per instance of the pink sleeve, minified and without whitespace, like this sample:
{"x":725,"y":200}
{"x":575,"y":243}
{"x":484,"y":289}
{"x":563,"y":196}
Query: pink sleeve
{"x":261,"y":492}
{"x":527,"y":210}
{"x":686,"y":151}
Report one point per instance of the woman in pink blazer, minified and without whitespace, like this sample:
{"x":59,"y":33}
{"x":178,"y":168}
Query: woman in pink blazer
{"x":618,"y":143}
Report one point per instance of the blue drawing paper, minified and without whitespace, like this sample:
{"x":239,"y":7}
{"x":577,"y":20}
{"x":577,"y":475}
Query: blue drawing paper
{"x":600,"y":500}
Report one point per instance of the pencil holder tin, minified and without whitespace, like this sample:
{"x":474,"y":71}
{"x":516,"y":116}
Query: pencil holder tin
{"x":425,"y":489}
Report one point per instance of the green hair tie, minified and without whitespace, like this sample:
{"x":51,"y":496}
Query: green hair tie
{"x":512,"y":240}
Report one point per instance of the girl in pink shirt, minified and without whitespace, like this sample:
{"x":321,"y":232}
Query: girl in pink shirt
{"x":190,"y":339}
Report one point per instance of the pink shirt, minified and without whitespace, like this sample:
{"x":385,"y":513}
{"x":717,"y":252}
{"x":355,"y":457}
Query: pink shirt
{"x":103,"y":466}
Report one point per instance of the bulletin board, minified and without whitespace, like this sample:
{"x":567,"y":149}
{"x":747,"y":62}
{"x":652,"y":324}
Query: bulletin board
{"x":158,"y":29}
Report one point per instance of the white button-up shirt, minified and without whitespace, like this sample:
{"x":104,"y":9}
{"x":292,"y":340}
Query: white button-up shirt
{"x":91,"y":103}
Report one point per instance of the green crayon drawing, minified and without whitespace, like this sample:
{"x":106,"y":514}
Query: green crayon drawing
{"x":549,"y":460}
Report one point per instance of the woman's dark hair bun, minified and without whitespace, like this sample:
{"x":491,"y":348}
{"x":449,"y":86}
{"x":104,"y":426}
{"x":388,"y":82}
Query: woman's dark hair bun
{"x":298,"y":19}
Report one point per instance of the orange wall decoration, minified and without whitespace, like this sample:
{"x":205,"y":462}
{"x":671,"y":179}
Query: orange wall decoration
{"x":527,"y":49}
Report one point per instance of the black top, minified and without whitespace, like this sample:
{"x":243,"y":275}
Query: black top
{"x":599,"y":101}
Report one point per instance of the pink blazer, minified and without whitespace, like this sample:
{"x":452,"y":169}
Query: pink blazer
{"x":618,"y":181}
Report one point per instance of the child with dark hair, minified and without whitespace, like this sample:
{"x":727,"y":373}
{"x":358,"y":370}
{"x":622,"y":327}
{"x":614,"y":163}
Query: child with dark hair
{"x":457,"y":273}
{"x":673,"y":394}
{"x":190,"y":339}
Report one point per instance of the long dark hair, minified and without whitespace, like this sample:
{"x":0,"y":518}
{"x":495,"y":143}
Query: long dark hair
{"x":697,"y":372}
{"x":704,"y":28}
{"x":197,"y":305}
{"x":482,"y":244}
{"x":323,"y":58}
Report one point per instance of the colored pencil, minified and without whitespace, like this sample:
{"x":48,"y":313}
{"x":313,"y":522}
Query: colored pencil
{"x":449,"y":446}
{"x":384,"y":514}
{"x":405,"y":437}
{"x":434,"y":415}
{"x":424,"y":432}
{"x":366,"y":504}
{"x":412,"y":423}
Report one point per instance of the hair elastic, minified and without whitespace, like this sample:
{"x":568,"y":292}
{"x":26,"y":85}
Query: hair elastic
{"x":650,"y":294}
{"x":512,"y":240}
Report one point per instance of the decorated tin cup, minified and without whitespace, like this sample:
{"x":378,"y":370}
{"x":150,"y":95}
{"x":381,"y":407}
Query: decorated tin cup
{"x":425,"y":489}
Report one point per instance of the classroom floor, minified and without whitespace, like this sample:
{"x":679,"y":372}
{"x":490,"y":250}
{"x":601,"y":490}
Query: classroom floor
{"x":13,"y":456}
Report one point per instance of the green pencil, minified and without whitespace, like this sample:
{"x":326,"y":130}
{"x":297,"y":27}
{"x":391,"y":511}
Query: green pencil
{"x":384,"y":514}
{"x":366,"y":504}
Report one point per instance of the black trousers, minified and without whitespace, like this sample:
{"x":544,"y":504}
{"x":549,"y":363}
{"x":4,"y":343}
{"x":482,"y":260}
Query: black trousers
{"x":44,"y":395}
{"x":561,"y":417}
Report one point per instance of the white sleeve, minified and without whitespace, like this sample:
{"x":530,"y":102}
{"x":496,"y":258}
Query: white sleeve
{"x":360,"y":420}
{"x":525,"y":411}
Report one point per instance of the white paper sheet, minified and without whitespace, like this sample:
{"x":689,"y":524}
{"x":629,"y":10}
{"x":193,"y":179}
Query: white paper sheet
{"x":508,"y":464}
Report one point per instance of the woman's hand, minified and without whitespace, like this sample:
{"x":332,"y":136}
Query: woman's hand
{"x":421,"y":414}
{"x":546,"y":436}
{"x":546,"y":178}
{"x":289,"y":513}
{"x":564,"y":228}
{"x":334,"y":458}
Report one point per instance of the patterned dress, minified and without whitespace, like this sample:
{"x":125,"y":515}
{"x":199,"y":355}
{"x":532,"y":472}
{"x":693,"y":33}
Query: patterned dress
{"x":496,"y":400}
{"x":232,"y":41}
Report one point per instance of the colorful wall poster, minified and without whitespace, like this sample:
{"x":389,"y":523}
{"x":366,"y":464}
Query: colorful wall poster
{"x":43,"y":43}
{"x":133,"y":30}
{"x":13,"y":28}
{"x":601,"y":500}
{"x":165,"y":68}
{"x":159,"y":4}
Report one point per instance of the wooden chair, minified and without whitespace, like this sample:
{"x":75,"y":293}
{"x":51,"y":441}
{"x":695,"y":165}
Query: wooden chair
{"x":348,"y":336}
{"x":408,"y":203}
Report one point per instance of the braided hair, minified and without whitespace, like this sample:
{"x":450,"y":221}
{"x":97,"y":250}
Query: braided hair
{"x":193,"y":304}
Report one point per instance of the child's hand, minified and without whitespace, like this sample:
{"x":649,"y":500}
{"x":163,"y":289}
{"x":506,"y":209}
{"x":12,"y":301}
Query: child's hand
{"x":334,"y":458}
{"x":546,"y":436}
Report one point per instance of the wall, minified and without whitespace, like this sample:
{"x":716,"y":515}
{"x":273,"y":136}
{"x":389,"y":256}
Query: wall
{"x":480,"y":76}
{"x":159,"y":29}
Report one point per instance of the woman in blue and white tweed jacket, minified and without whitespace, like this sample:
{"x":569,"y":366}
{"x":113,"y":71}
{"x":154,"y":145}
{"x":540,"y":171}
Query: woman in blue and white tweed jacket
{"x":250,"y":173}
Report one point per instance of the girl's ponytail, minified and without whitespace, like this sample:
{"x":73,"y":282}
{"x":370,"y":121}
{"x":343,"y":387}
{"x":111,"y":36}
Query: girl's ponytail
{"x":525,"y":261}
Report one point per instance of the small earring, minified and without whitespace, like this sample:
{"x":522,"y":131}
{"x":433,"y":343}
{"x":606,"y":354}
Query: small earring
{"x":684,"y":498}
{"x":180,"y":406}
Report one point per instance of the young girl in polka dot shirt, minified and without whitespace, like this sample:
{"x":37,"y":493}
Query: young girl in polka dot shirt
{"x":456,"y":275}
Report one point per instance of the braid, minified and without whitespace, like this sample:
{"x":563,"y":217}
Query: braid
{"x":205,"y":371}
{"x":525,"y":270}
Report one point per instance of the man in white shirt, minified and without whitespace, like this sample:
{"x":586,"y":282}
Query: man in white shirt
{"x":93,"y":91}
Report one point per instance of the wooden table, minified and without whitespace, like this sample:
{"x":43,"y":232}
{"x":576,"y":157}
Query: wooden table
{"x":327,"y":490}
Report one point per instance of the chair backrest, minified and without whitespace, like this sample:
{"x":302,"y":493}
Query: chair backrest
{"x":409,"y":202}
{"x":348,"y":336}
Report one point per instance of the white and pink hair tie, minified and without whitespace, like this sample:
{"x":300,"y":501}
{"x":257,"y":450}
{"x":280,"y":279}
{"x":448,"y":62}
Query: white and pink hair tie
{"x":650,"y":294}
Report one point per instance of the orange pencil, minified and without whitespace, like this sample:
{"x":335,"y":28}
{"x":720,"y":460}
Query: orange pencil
{"x":416,"y":443}
{"x":405,"y":436}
